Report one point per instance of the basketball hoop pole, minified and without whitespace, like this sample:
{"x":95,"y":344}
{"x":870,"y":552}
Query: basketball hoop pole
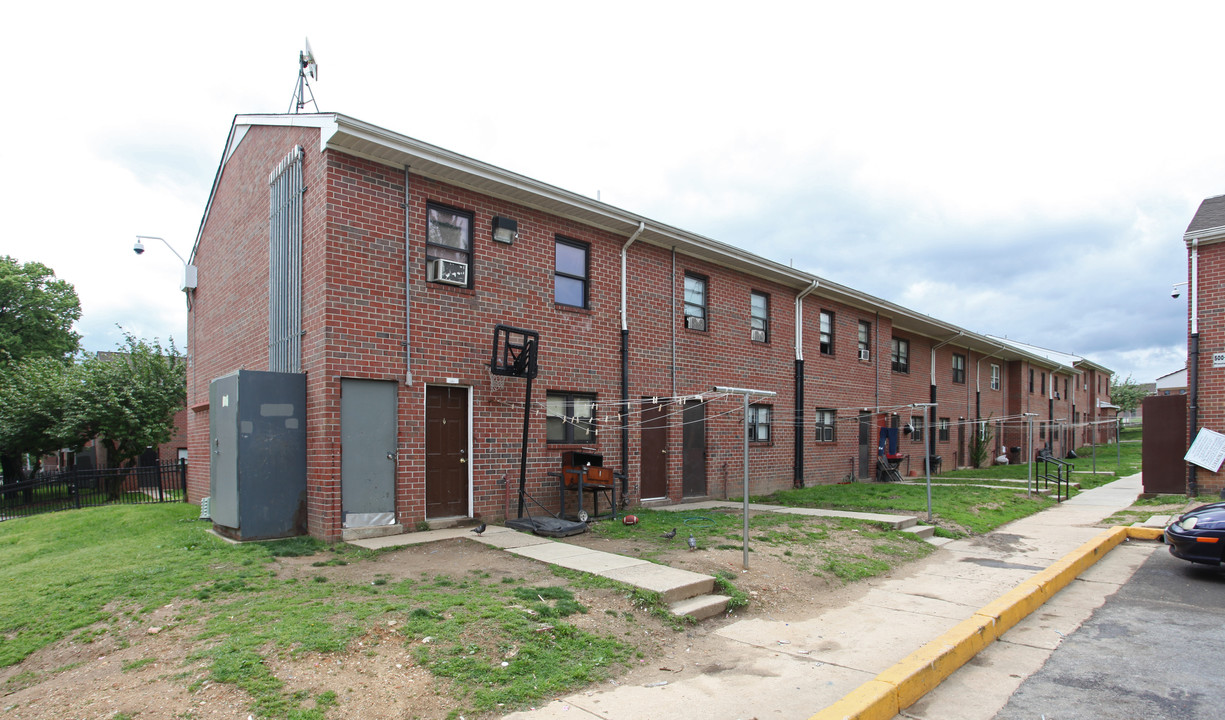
{"x":517,"y":358}
{"x":527,"y":416}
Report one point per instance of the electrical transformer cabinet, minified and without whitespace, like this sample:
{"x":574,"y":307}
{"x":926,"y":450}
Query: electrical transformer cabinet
{"x":257,"y":444}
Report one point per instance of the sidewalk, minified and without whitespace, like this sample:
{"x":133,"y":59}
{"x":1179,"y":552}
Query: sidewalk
{"x":775,"y":669}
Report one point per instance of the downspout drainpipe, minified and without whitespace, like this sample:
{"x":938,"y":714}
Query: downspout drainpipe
{"x":978,"y":384}
{"x":625,"y":368}
{"x":1192,"y":365}
{"x":931,"y":411}
{"x":798,"y":478}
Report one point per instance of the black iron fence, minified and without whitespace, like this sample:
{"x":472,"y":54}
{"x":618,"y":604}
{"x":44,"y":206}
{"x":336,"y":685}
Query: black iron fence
{"x":70,"y":489}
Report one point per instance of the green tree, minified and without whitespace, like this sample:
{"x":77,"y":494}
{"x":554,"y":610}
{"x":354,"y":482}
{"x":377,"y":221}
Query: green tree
{"x":127,"y":400}
{"x":36,"y":313}
{"x":980,"y":443}
{"x":33,"y":396}
{"x":1127,"y":394}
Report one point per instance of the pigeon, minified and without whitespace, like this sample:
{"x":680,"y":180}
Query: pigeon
{"x":670,"y":534}
{"x":693,"y":543}
{"x":479,"y":529}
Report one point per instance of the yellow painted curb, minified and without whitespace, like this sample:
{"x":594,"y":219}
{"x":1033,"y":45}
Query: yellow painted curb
{"x":1012,"y":607}
{"x":914,"y":676}
{"x":874,"y":700}
{"x":924,"y":669}
{"x":1141,"y":533}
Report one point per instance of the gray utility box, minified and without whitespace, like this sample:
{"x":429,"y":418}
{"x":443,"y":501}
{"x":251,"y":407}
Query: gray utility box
{"x":257,"y":463}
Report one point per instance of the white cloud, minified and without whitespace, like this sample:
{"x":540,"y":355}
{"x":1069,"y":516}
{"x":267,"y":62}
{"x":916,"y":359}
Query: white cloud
{"x":1025,"y":171}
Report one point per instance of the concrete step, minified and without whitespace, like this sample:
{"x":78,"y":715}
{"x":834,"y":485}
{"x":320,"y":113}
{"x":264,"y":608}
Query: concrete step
{"x":700,"y":607}
{"x":923,"y":531}
{"x":368,"y":533}
{"x":1156,"y":521}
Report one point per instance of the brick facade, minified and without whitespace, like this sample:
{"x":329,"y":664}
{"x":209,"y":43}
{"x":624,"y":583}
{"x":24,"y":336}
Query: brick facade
{"x":369,"y":313}
{"x":1205,"y":241}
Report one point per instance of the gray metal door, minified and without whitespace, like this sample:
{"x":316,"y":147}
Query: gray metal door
{"x":223,"y":450}
{"x":367,"y":452}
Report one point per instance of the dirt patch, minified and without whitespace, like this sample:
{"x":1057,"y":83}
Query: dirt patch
{"x":147,"y":667}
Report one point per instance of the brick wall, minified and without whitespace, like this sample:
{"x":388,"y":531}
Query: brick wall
{"x":357,"y":214}
{"x":1211,"y":305}
{"x":228,"y":317}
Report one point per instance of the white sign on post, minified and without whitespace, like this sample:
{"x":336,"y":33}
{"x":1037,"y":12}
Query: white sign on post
{"x":1208,"y":450}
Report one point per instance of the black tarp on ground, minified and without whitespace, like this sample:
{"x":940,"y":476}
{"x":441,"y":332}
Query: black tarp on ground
{"x":548,"y":526}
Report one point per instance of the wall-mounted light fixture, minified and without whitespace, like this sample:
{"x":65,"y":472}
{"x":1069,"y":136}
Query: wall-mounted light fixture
{"x":1176,"y":292}
{"x":505,"y":230}
{"x":189,"y":270}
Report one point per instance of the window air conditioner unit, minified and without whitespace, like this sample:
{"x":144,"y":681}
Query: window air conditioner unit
{"x":865,"y":355}
{"x":695,"y":323}
{"x":758,"y":335}
{"x":447,"y":271}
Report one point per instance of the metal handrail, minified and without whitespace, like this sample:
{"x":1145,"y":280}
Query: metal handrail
{"x":1063,"y":483}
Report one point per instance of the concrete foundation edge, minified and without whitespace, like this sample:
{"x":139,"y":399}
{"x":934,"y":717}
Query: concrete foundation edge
{"x":900,"y":686}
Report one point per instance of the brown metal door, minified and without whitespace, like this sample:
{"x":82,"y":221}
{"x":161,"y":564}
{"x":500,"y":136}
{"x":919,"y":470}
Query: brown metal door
{"x":446,"y":452}
{"x":653,"y":464}
{"x":1165,"y":443}
{"x":693,"y":450}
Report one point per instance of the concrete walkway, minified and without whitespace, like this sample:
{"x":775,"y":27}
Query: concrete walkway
{"x":795,"y":668}
{"x":687,"y":593}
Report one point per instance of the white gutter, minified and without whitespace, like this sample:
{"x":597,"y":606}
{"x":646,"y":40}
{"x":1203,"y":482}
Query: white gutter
{"x":937,"y":346}
{"x":799,"y":319}
{"x":1194,"y":291}
{"x":978,"y":370}
{"x":624,"y":249}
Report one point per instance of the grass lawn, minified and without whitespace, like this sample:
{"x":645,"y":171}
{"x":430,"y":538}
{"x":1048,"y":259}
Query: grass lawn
{"x":964,"y":508}
{"x":80,"y":574}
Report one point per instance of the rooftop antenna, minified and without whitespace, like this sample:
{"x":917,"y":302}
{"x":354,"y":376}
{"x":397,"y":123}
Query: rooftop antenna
{"x":307,"y":65}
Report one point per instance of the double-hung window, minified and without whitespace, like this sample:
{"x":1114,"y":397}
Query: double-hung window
{"x":695,"y":302}
{"x":900,"y":355}
{"x":825,"y":425}
{"x":827,"y":332}
{"x":959,"y":368}
{"x":917,"y":423}
{"x":759,"y":316}
{"x":995,"y":376}
{"x":865,"y":340}
{"x":759,"y":422}
{"x":570,"y":417}
{"x":570,"y":272}
{"x":943,"y":430}
{"x":448,"y":238}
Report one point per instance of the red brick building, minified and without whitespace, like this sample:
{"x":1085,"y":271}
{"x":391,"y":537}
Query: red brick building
{"x":378,"y":266}
{"x":1206,"y":333}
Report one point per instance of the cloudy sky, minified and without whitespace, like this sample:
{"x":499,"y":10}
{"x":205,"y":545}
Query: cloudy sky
{"x":1024,"y":170}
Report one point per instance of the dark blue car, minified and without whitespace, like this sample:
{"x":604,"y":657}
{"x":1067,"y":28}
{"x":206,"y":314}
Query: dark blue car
{"x":1199,"y":534}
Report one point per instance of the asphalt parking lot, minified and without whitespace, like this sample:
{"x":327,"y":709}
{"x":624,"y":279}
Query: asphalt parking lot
{"x":1152,"y":651}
